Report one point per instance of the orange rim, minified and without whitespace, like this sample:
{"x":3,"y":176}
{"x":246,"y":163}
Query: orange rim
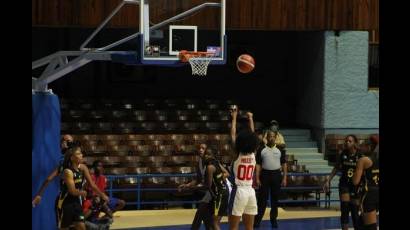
{"x":185,"y":55}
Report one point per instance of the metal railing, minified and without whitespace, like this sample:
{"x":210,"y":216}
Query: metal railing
{"x":139,"y":189}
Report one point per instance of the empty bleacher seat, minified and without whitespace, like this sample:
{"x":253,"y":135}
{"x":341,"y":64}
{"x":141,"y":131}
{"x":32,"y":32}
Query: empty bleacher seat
{"x":115,"y":171}
{"x":155,"y":161}
{"x":118,"y":115}
{"x":110,"y":160}
{"x":124,"y":127}
{"x":193,"y":126}
{"x":178,"y":160}
{"x":76,"y":114}
{"x":138,"y":115}
{"x":103,"y":127}
{"x":96,"y":115}
{"x":143,"y":150}
{"x":170,"y":126}
{"x":82,"y":127}
{"x":213,"y":126}
{"x":138,"y":170}
{"x":132,"y":161}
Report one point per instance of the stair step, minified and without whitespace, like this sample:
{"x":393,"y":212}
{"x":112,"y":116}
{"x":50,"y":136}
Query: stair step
{"x":310,"y":163}
{"x":292,"y":150}
{"x":294,"y":132}
{"x":301,"y":144}
{"x":308,"y":155}
{"x":319,"y":168}
{"x":297,"y":138}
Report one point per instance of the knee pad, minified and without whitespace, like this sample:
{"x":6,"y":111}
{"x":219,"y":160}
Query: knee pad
{"x":344,"y":208}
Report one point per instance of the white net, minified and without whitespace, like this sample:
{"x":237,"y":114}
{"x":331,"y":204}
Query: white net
{"x":199,"y":65}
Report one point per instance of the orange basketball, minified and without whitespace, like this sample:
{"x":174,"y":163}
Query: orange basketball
{"x":245,"y":63}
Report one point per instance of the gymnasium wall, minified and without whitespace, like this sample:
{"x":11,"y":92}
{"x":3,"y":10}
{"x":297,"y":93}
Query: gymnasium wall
{"x":347,"y":101}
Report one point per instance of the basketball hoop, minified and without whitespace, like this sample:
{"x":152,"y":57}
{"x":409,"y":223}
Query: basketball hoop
{"x":199,"y":61}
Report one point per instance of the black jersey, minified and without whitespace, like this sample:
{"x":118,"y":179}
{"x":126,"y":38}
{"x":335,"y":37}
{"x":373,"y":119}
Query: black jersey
{"x":347,"y":166}
{"x":371,"y":175}
{"x":218,"y":182}
{"x":78,"y":182}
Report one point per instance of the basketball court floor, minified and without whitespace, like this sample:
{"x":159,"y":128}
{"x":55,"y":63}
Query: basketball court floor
{"x":179,"y":219}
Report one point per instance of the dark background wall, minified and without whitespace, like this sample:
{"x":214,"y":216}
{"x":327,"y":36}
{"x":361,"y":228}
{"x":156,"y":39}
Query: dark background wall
{"x":240,"y":14}
{"x":272,"y":90}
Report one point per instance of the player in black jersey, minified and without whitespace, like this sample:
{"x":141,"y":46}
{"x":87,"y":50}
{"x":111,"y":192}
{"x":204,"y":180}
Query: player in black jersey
{"x":215,"y":178}
{"x":349,"y":201}
{"x":72,"y":191}
{"x":366,"y":177}
{"x":66,"y":143}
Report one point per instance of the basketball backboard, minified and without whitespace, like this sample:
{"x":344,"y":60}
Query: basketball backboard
{"x":169,"y":26}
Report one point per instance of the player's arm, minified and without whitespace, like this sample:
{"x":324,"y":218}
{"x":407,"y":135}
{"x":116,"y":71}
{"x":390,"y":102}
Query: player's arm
{"x":251,"y":123}
{"x":284,"y":167}
{"x":94,"y":187}
{"x":326,"y":185}
{"x":69,"y":180}
{"x":225,"y":172}
{"x":234,"y":114}
{"x":210,"y":169}
{"x":258,"y":166}
{"x":191,"y":183}
{"x":37,"y":197}
{"x":361,"y":165}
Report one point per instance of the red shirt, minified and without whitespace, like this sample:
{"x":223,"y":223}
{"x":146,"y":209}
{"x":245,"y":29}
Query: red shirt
{"x":95,"y":211}
{"x":100,"y":181}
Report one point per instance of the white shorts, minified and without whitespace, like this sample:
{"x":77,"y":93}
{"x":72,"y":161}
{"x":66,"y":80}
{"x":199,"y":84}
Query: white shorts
{"x":243,"y":201}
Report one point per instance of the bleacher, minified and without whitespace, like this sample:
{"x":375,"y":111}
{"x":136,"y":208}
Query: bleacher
{"x":154,"y":138}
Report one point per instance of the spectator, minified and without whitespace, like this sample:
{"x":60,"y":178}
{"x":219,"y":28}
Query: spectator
{"x":100,"y":180}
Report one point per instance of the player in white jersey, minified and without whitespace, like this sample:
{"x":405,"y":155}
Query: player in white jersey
{"x":242,"y":202}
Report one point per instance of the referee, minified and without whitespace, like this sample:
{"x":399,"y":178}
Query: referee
{"x":269,"y":160}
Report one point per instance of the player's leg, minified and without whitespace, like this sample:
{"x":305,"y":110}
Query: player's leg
{"x":248,"y":221}
{"x":250,"y":210}
{"x":236,"y":207}
{"x":370,"y":206}
{"x":344,"y":207}
{"x":234,"y":222}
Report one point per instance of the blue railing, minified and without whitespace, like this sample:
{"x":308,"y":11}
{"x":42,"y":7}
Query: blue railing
{"x":138,"y":189}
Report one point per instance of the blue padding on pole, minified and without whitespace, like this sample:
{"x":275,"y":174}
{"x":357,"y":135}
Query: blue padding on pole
{"x":45,"y":155}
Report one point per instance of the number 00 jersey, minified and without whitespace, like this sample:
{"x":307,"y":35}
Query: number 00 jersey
{"x":243,"y":169}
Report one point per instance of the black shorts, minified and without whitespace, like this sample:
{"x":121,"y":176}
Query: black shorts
{"x":348,"y":188}
{"x":220,"y":204}
{"x":370,"y":200}
{"x":70,"y":212}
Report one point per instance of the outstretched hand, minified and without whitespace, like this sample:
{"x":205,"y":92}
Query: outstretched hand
{"x":36,"y":201}
{"x":249,"y":115}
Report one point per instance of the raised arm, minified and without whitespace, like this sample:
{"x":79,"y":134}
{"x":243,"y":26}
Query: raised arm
{"x":250,"y":119}
{"x":234,"y":114}
{"x":37,"y":197}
